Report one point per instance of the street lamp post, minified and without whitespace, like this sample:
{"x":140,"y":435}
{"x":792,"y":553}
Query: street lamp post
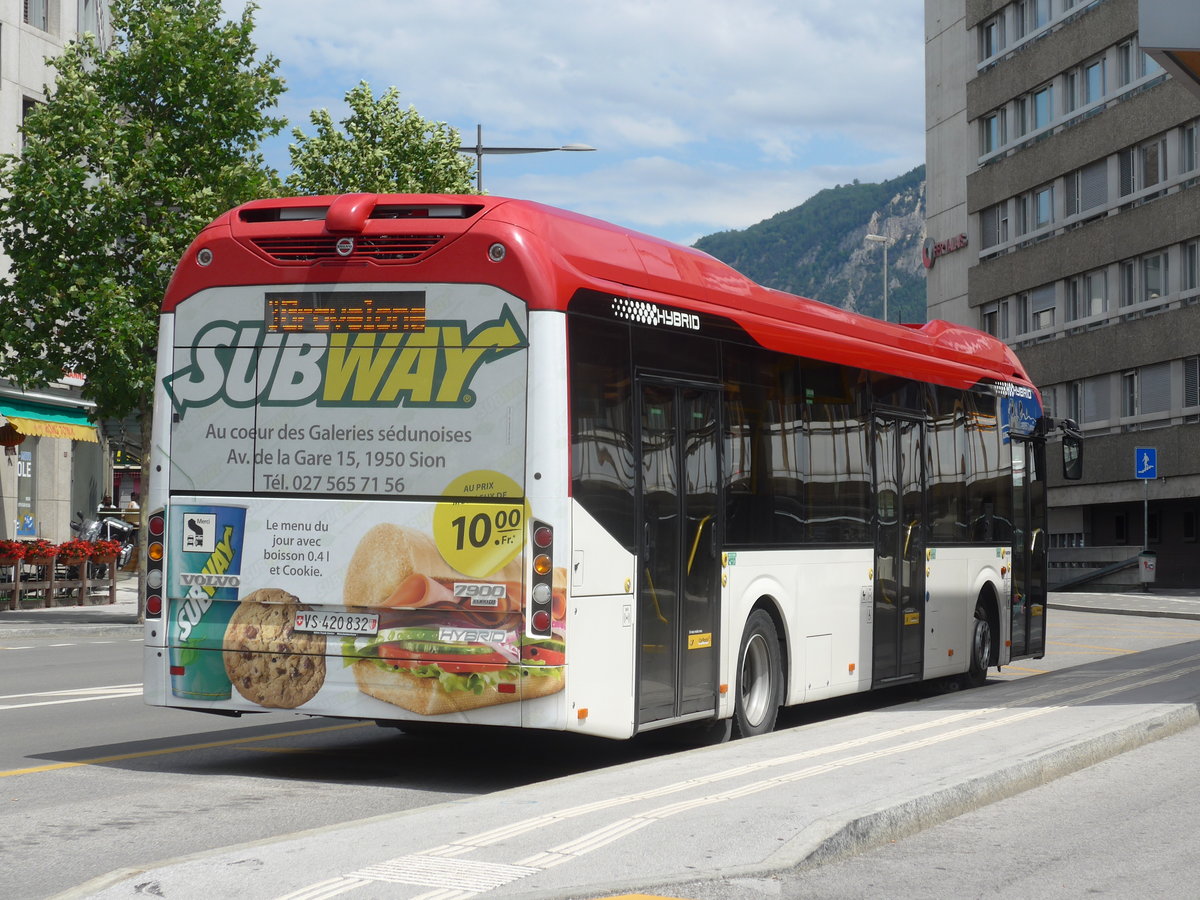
{"x":880,"y":239}
{"x":479,"y":150}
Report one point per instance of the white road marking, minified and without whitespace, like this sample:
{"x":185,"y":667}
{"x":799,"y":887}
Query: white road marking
{"x":73,"y":695}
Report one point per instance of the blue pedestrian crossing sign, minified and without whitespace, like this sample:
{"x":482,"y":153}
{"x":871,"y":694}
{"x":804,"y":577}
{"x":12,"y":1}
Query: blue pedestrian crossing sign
{"x":1145,"y":462}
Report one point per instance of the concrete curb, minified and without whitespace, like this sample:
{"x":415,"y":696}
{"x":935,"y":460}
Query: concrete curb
{"x":1116,"y":611}
{"x":919,"y":813}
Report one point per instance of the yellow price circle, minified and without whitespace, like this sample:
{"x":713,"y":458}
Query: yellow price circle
{"x":481,"y":538}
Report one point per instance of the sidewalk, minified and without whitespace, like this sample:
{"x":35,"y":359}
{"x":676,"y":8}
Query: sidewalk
{"x":1171,"y":603}
{"x":99,"y":618}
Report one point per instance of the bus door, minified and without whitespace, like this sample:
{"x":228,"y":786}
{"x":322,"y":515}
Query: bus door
{"x":898,"y":631}
{"x":679,"y":571}
{"x":1029,"y":548}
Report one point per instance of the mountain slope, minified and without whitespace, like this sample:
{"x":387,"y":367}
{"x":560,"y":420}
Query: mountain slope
{"x":818,"y":250}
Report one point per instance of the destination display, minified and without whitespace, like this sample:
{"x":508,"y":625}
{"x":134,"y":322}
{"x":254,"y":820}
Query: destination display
{"x":318,"y":312}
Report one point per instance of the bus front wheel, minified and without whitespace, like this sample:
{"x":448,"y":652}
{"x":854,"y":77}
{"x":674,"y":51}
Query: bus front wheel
{"x":760,"y":677}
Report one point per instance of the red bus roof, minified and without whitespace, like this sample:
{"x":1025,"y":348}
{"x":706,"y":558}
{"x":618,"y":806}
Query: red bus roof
{"x":550,"y":253}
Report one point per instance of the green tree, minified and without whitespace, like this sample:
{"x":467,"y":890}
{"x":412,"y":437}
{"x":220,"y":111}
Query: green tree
{"x":384,"y":149}
{"x":138,"y":146}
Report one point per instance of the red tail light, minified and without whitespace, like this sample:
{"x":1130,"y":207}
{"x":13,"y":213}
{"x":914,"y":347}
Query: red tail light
{"x":156,"y":525}
{"x":541,"y":588}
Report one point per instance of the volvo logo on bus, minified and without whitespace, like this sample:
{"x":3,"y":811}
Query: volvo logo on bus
{"x":344,"y":246}
{"x":645,"y":313}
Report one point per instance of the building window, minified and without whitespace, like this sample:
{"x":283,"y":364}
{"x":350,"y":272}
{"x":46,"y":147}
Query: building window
{"x":1022,"y":314}
{"x":1189,"y":526}
{"x":1143,"y":166}
{"x":1095,"y":287}
{"x":1022,"y":17}
{"x":1021,"y":116}
{"x":1075,"y":401}
{"x":1042,"y":303}
{"x":1095,"y":406}
{"x":1043,"y":206}
{"x":28,"y":105}
{"x":1071,"y":193}
{"x":1154,"y":276}
{"x":1043,"y":107}
{"x":993,"y":226}
{"x":991,"y":37}
{"x":1153,"y":159}
{"x":1035,"y":210}
{"x":1088,"y":295}
{"x":1191,"y":265}
{"x":1128,"y":281}
{"x":1041,"y":13}
{"x":1072,"y":92}
{"x":1124,"y":63}
{"x":1149,"y":65}
{"x":1154,"y":389}
{"x":1191,"y":381}
{"x":1093,"y":82}
{"x":1086,"y":188}
{"x":994,"y":319}
{"x":1129,"y":394}
{"x":1043,"y":319}
{"x":994,"y":132}
{"x":35,"y":14}
{"x":1075,"y":305}
{"x":89,"y":17}
{"x":1187,"y":148}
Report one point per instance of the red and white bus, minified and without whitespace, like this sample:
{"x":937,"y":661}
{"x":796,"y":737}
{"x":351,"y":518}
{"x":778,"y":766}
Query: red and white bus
{"x":478,"y":460}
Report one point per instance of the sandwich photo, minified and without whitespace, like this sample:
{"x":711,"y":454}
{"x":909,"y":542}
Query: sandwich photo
{"x":446,"y":642}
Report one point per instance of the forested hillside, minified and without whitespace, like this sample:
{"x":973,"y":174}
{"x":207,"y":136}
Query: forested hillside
{"x":817,"y":249}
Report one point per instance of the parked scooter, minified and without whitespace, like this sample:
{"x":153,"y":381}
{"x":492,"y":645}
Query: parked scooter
{"x":107,"y":528}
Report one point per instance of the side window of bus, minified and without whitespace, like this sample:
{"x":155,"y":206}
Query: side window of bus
{"x":946,"y":463}
{"x":797,"y":462}
{"x":763,"y":473}
{"x":840,"y":494}
{"x":604,"y":473}
{"x":989,"y":479}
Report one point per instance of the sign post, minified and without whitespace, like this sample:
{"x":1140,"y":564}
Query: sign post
{"x":1145,"y":468}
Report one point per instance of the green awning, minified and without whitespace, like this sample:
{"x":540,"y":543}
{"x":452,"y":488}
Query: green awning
{"x":42,"y":420}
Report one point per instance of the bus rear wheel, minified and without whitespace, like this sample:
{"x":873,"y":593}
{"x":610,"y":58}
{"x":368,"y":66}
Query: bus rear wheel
{"x":759,"y":677}
{"x":981,"y":648}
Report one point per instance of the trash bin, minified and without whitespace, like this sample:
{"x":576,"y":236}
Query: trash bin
{"x":1147,"y":563}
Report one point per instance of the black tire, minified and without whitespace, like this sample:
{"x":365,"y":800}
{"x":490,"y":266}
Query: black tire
{"x":759,"y":677}
{"x":981,"y":649}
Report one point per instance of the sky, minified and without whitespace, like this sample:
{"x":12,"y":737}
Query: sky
{"x":706,"y":115}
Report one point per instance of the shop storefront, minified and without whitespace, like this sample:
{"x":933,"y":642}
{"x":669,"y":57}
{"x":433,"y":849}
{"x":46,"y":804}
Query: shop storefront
{"x":52,"y":465}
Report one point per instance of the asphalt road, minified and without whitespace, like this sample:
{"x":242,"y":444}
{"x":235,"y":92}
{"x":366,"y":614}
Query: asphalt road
{"x":94,"y":780}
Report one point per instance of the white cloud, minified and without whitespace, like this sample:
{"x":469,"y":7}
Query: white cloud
{"x":707,"y":114}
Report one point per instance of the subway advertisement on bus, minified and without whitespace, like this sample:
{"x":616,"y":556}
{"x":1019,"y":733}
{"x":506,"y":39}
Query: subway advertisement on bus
{"x":346,"y":531}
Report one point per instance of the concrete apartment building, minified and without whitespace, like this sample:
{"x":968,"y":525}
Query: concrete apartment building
{"x":1064,"y":167}
{"x":53,"y":461}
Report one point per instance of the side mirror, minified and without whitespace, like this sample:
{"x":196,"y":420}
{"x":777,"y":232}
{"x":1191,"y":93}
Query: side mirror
{"x":1072,"y":446}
